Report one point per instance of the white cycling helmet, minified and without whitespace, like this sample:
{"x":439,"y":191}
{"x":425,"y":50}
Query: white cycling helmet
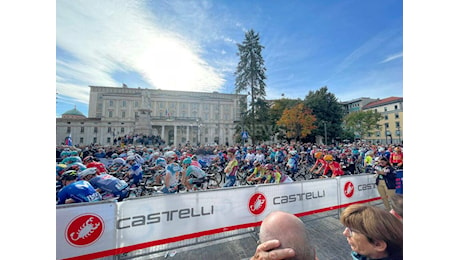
{"x":87,"y":172}
{"x":170,"y":154}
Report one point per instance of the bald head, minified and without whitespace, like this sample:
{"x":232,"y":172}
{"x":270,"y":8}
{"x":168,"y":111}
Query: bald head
{"x":290,"y":231}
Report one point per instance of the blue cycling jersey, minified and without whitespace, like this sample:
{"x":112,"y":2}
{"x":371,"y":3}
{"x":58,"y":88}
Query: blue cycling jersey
{"x":109,"y":183}
{"x":79,"y":191}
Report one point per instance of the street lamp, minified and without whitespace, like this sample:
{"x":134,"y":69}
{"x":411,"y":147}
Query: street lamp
{"x":325,"y":133}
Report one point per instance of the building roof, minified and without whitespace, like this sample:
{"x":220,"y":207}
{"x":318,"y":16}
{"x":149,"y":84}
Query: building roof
{"x":385,"y":101}
{"x":73,"y":112}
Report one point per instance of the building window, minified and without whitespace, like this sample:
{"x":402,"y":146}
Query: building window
{"x":95,"y":140}
{"x":95,"y":130}
{"x":82,"y":130}
{"x":68,"y":129}
{"x":377,"y":134}
{"x":122,"y":130}
{"x":385,"y":109}
{"x":386,"y":117}
{"x":396,"y":115}
{"x":386,"y":125}
{"x":81,"y":140}
{"x":123,"y":104}
{"x":397,"y":125}
{"x":109,"y":129}
{"x":396,"y":107}
{"x":108,"y":140}
{"x":110,"y":113}
{"x":111,"y":103}
{"x":136,"y":103}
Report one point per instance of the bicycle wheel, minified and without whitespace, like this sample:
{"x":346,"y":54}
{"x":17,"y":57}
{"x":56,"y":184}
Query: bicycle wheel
{"x":212,"y":183}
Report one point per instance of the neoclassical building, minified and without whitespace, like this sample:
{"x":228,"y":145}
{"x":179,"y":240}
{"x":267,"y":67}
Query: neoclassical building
{"x":177,"y":117}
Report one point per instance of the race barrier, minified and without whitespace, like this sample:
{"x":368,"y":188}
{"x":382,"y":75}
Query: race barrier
{"x":101,"y":229}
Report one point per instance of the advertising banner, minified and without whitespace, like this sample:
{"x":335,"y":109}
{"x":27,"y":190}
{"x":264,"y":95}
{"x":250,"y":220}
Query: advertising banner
{"x":85,"y":229}
{"x":361,"y":188}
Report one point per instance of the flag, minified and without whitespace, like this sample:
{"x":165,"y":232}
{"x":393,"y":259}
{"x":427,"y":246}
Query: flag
{"x":68,"y":140}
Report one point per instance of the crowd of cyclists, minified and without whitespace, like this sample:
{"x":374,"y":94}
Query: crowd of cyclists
{"x":95,"y":173}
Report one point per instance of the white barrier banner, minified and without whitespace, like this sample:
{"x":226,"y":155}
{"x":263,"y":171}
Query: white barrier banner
{"x":169,"y":216}
{"x":359,"y":188}
{"x":85,"y":229}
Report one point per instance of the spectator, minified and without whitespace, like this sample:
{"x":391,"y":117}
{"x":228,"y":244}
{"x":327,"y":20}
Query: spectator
{"x":372,"y":233}
{"x":289,"y":233}
{"x":385,"y":181}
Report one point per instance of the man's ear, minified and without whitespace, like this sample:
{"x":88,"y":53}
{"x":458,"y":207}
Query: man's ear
{"x":380,"y":245}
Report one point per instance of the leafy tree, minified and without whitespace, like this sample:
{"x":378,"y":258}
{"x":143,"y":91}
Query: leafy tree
{"x":298,"y":121}
{"x":362,"y":122}
{"x":328,"y":111}
{"x":250,"y":75}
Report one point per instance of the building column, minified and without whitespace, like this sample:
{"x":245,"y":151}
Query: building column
{"x":188,"y":134}
{"x":163,"y":132}
{"x":175,"y":135}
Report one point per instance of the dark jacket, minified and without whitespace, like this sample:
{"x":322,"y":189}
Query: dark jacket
{"x":389,"y":178}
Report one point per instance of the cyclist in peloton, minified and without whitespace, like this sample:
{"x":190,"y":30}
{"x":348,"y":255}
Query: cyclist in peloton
{"x":76,"y":191}
{"x":171,"y":174}
{"x":258,"y":174}
{"x":274,"y":176}
{"x":135,"y":173}
{"x":105,"y":183}
{"x":320,"y":164}
{"x":332,"y":168}
{"x":90,"y":161}
{"x":193,"y":177}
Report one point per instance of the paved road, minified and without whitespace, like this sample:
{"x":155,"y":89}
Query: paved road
{"x":325,"y":230}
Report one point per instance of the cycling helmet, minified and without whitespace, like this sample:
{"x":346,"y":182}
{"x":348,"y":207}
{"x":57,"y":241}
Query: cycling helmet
{"x":114,"y":155}
{"x":256,"y":163}
{"x":269,"y":166}
{"x":69,"y":175}
{"x":170,"y":154}
{"x":88,"y":159}
{"x":161,"y":162}
{"x":231,"y":150}
{"x":328,"y":157}
{"x":76,"y":166}
{"x":397,"y":149}
{"x":293,"y":152}
{"x":156,"y":154}
{"x":87,"y":172}
{"x":318,"y":155}
{"x":187,"y":160}
{"x":71,"y":159}
{"x":119,"y":160}
{"x":130,"y":158}
{"x":60,"y":168}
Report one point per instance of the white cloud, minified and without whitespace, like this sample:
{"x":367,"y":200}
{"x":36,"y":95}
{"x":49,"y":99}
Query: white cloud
{"x":392,"y":57}
{"x":105,"y":37}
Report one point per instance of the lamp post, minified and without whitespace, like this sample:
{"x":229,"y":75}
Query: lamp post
{"x":325,"y":133}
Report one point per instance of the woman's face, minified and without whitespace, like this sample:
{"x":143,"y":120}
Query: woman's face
{"x":359,"y":242}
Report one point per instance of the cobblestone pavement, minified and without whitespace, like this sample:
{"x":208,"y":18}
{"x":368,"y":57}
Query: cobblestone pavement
{"x":325,"y":230}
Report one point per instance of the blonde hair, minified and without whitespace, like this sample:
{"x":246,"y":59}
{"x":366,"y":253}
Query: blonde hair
{"x":376,"y":224}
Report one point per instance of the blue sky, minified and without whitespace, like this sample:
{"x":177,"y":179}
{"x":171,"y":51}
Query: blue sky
{"x":354,"y":47}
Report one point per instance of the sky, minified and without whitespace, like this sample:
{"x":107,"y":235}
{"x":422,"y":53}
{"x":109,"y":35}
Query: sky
{"x":353,"y":47}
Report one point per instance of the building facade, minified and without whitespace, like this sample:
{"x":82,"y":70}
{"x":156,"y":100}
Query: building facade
{"x":391,"y":126}
{"x":177,"y":117}
{"x":357,"y":104}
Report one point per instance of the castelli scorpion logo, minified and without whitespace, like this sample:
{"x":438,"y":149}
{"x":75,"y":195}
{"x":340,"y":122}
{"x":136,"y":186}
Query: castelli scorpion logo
{"x":349,"y":189}
{"x":84,"y":230}
{"x":257,"y":203}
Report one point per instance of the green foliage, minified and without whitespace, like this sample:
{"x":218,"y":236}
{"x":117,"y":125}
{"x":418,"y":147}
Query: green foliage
{"x":363,"y":123}
{"x":250,"y":76}
{"x":327,"y":110}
